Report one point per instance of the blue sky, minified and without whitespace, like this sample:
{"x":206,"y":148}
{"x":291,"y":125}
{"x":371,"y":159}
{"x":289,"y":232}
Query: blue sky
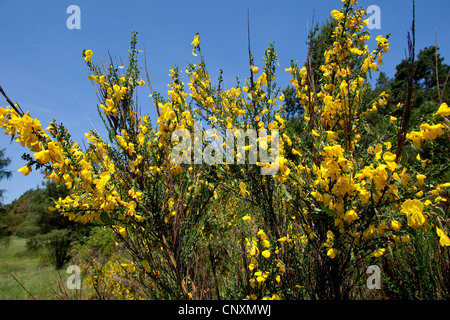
{"x":41,"y":66}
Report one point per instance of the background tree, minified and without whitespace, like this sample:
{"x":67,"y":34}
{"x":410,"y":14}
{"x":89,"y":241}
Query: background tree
{"x":49,"y":231}
{"x":320,"y":39}
{"x":429,"y":68}
{"x":4,"y":163}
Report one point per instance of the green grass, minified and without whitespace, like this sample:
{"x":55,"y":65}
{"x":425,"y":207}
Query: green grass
{"x":37,"y":277}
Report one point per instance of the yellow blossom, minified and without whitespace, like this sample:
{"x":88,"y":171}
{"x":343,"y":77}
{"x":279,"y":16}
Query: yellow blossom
{"x":396,"y":225}
{"x":350,"y":216}
{"x":414,"y":212}
{"x":266,"y":254}
{"x":378,"y":252}
{"x":444,"y":239}
{"x":332,"y":253}
{"x":443,"y":111}
{"x":26,"y":170}
{"x":196,"y":41}
{"x":421,"y":179}
{"x":87,"y":55}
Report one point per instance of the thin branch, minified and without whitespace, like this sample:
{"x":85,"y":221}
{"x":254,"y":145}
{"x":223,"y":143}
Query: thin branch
{"x":440,"y":93}
{"x":149,"y":83}
{"x":250,"y":57}
{"x":23,"y":286}
{"x":79,"y":106}
{"x":445,"y":84}
{"x":311,"y":86}
{"x":18,"y":109}
{"x":437,"y":67}
{"x":401,"y":136}
{"x":248,"y":39}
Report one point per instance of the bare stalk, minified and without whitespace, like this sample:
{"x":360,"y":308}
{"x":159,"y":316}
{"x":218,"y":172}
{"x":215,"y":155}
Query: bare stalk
{"x":401,"y":135}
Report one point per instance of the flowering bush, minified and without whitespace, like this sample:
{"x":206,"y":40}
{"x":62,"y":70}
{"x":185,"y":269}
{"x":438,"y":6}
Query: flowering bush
{"x":306,"y":229}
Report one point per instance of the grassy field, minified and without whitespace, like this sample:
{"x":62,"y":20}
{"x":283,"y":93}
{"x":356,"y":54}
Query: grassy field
{"x":39,"y":279}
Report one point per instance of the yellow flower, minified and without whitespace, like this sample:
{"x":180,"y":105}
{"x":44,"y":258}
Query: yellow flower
{"x":350,"y":216}
{"x":330,"y":236}
{"x":406,"y":239}
{"x":255,"y":70}
{"x":87,"y":55}
{"x":336,"y":14}
{"x":396,"y":225}
{"x":331,"y":135}
{"x":260,"y":279}
{"x":26,"y":170}
{"x":413,"y":210}
{"x":243,"y":189}
{"x":170,"y":202}
{"x":378,"y":252}
{"x":196,"y":41}
{"x":262,"y":80}
{"x":43,"y":156}
{"x":266,"y":254}
{"x":445,"y":240}
{"x":444,"y":185}
{"x":261,"y":234}
{"x":443,"y":111}
{"x":420,"y":179}
{"x":404,"y":177}
{"x":247,"y":218}
{"x":314,"y":132}
{"x":389,"y":157}
{"x":343,"y":88}
{"x":123,"y":232}
{"x":282,"y":239}
{"x":332,"y":253}
{"x":142,"y":82}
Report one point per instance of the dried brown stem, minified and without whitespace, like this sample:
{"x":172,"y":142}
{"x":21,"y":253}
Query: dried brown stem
{"x":12,"y":104}
{"x":311,"y":89}
{"x":149,"y":82}
{"x":401,"y":135}
{"x":33,"y":297}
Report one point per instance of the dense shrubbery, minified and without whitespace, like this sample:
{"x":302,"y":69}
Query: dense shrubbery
{"x":340,"y":197}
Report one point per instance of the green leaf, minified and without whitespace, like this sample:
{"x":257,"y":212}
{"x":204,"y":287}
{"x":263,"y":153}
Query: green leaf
{"x":327,"y":210}
{"x":404,"y":157}
{"x":106,"y":219}
{"x":285,"y":192}
{"x":81,"y":237}
{"x":374,"y":190}
{"x":367,"y":128}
